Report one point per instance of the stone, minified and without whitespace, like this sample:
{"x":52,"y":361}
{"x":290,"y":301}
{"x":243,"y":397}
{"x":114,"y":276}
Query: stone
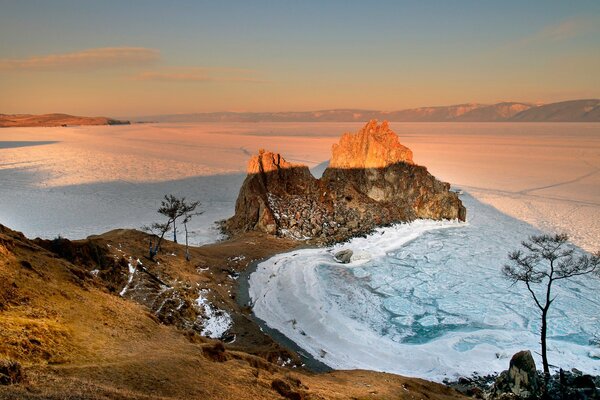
{"x":344,"y":256}
{"x":584,"y":382}
{"x":521,"y":379}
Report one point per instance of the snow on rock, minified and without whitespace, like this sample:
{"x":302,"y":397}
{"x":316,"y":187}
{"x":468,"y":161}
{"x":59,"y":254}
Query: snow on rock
{"x":132,"y":271}
{"x":214,"y":321}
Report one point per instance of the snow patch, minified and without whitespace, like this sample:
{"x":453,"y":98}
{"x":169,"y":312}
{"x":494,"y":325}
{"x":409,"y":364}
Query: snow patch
{"x":132,"y":271}
{"x":215,"y":322}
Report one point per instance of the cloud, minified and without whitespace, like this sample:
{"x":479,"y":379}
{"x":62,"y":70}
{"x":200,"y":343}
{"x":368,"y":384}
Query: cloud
{"x":197,"y":74}
{"x":564,"y":30}
{"x":89,"y":59}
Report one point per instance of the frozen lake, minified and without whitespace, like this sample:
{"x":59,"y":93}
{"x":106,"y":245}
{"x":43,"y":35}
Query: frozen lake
{"x":78,"y":181}
{"x":414,"y":296}
{"x":425,"y":299}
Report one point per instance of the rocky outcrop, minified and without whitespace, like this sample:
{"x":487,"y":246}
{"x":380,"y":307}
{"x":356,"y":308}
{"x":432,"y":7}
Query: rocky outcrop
{"x":371,"y":181}
{"x":270,"y":179}
{"x":375,"y":146}
{"x":521,"y":379}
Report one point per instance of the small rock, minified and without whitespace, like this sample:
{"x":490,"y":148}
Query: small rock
{"x":344,"y":256}
{"x":584,"y":382}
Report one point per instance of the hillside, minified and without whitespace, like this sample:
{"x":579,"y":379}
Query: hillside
{"x":29,"y":120}
{"x":494,"y":113}
{"x":85,"y":320}
{"x":567,"y":111}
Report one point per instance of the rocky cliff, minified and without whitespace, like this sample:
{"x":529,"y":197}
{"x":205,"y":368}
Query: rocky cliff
{"x":371,"y":181}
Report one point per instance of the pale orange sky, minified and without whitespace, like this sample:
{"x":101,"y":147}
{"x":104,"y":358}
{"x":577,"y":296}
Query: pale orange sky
{"x":122,"y":60}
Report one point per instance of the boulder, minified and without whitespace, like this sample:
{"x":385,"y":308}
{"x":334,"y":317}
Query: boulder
{"x":344,"y":256}
{"x":521,"y":379}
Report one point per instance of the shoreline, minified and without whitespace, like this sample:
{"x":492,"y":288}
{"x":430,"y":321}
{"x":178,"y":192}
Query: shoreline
{"x":286,"y":341}
{"x":97,"y":343}
{"x":243,"y":300}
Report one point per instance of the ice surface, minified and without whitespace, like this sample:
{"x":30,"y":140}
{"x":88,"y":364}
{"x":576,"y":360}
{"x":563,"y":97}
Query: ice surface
{"x":405,"y":304}
{"x":429,"y":300}
{"x":78,"y":181}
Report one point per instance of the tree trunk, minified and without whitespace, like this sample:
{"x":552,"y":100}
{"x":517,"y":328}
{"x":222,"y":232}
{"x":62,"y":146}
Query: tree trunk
{"x":174,"y":232}
{"x":545,"y":355}
{"x":158,"y":242}
{"x":187,"y":252}
{"x":543,"y":336}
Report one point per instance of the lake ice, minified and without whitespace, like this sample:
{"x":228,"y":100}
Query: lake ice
{"x":424,"y":299}
{"x":79,"y":181}
{"x":414,"y":305}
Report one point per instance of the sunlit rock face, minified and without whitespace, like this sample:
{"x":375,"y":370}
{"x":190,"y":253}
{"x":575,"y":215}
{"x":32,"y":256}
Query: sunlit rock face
{"x":374,"y":146}
{"x":371,"y":181}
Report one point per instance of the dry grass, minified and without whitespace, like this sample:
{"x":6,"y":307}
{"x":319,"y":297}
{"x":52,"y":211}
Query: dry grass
{"x":76,"y":340}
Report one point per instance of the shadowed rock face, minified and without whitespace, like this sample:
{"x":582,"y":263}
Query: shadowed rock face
{"x":371,"y":181}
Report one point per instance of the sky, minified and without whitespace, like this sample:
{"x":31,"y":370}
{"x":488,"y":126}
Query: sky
{"x":133,"y":58}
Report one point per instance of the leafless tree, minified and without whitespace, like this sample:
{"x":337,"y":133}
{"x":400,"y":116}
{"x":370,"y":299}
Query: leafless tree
{"x":188,"y":213}
{"x":546,"y":260}
{"x":173,"y":208}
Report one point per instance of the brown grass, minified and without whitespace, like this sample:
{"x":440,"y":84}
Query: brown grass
{"x":77,"y":340}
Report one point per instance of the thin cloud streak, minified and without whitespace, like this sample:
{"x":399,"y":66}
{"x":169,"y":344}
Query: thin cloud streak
{"x":89,"y":59}
{"x":564,"y":30}
{"x":198,"y":74}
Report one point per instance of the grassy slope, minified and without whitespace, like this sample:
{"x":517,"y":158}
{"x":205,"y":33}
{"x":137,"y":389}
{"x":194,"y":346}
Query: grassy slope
{"x":76,"y":339}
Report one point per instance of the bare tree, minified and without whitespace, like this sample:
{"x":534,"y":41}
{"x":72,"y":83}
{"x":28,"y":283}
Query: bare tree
{"x":188,"y":214}
{"x":173,"y":208}
{"x":158,"y":230}
{"x":547,"y":259}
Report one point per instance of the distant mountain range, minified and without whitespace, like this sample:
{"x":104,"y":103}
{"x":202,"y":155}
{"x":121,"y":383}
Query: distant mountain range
{"x":20,"y":120}
{"x":565,"y":111}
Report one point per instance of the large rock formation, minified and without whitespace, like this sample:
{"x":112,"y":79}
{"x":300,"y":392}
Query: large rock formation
{"x":375,"y":146}
{"x":371,"y":181}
